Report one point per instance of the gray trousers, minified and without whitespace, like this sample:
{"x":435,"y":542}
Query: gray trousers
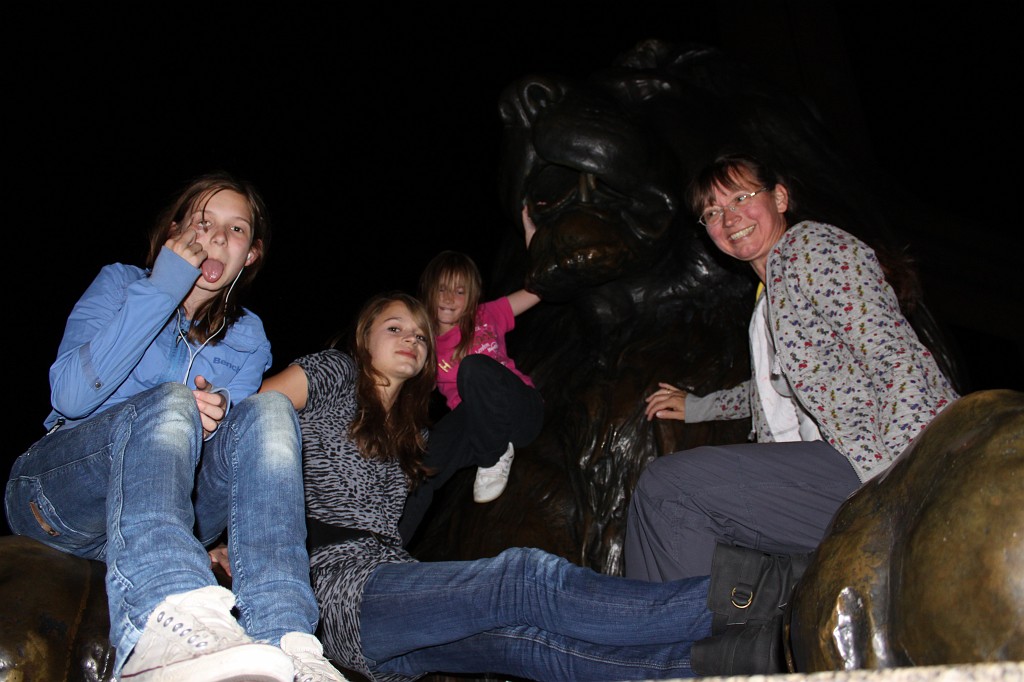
{"x":777,"y":497}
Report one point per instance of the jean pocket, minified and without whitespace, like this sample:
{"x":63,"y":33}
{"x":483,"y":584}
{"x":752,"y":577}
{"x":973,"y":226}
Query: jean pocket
{"x":31,"y":513}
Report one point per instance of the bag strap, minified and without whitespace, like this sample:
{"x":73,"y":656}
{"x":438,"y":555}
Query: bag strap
{"x":751,"y":586}
{"x":748,"y":596}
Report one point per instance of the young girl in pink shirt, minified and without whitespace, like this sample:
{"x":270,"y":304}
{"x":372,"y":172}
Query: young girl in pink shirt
{"x":494,"y":407}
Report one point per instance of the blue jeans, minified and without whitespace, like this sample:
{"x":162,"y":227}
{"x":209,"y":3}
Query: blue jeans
{"x":530,"y":614}
{"x":119,"y":488}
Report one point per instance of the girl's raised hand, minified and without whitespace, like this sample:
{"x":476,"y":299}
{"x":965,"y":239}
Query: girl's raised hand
{"x":187,"y":246}
{"x":528,"y":227}
{"x":668,"y":402}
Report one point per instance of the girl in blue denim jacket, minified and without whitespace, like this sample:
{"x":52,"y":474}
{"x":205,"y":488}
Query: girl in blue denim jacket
{"x":156,"y":443}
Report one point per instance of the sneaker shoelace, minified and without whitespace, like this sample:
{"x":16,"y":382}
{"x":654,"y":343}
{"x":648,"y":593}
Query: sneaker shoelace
{"x":197,"y":633}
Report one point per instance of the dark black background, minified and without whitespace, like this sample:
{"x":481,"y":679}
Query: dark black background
{"x":373,"y":133}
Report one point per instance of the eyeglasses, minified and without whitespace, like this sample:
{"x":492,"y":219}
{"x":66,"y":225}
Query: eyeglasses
{"x":712,"y":217}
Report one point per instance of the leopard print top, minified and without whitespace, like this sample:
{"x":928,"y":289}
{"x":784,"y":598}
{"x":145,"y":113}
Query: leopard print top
{"x":345,"y":489}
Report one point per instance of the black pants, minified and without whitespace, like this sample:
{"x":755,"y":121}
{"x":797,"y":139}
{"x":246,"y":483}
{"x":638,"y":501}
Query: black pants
{"x":497,"y":408}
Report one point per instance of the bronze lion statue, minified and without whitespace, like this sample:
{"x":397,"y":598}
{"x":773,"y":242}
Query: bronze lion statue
{"x":633,"y":292}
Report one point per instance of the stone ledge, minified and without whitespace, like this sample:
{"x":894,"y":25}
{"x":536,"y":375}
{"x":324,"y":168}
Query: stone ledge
{"x":979,"y":672}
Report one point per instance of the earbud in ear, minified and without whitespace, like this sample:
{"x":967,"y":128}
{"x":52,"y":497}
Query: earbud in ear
{"x":248,"y":261}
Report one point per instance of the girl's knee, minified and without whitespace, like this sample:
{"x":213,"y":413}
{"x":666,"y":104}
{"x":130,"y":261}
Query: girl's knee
{"x":273,"y":411}
{"x":478,"y":362}
{"x":530,"y":562}
{"x":267,"y":428}
{"x":481,"y":369}
{"x":167,"y":408}
{"x":272,"y":406}
{"x":171,"y":396}
{"x":273,"y":400}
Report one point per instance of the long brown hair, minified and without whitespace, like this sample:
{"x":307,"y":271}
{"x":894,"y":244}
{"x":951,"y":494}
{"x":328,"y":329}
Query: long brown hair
{"x":397,"y":433}
{"x":222,"y":309}
{"x":451,"y":268}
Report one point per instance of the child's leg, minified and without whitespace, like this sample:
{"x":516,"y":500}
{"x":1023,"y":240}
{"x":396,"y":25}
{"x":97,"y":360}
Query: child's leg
{"x":519,"y":417}
{"x":550,"y":619}
{"x":447,"y":453}
{"x":250,"y":481}
{"x":117,"y":489}
{"x":501,"y":408}
{"x":497,"y":408}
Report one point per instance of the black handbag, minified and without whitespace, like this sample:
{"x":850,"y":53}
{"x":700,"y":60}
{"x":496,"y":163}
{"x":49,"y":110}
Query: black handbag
{"x":749,"y":593}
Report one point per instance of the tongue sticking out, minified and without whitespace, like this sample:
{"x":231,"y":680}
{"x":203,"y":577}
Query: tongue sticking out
{"x":212,"y":270}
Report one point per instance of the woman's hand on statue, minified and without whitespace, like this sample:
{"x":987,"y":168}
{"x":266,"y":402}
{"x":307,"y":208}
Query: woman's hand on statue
{"x":668,"y":402}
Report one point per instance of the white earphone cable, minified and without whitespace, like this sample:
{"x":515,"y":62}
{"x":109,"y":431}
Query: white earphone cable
{"x":192,"y":355}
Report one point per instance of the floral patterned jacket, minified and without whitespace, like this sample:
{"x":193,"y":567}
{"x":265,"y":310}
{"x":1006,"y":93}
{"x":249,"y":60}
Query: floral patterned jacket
{"x":851,"y":357}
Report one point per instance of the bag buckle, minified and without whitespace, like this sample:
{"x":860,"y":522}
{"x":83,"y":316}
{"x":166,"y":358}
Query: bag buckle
{"x":741,"y":596}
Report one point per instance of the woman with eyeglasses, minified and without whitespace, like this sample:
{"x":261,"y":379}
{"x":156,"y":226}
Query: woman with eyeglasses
{"x":840,"y":385}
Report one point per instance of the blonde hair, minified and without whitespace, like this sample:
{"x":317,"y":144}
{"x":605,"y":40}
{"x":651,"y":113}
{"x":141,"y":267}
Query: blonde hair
{"x":451,"y":269}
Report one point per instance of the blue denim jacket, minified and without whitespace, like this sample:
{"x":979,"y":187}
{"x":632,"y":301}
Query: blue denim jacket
{"x":122,"y":338}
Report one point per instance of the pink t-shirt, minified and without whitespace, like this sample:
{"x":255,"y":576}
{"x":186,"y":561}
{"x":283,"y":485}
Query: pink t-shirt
{"x":494,"y":319}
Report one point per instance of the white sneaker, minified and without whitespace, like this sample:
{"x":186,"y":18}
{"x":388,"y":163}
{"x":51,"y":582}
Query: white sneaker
{"x":193,"y":637}
{"x":307,"y":654}
{"x":491,"y":481}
